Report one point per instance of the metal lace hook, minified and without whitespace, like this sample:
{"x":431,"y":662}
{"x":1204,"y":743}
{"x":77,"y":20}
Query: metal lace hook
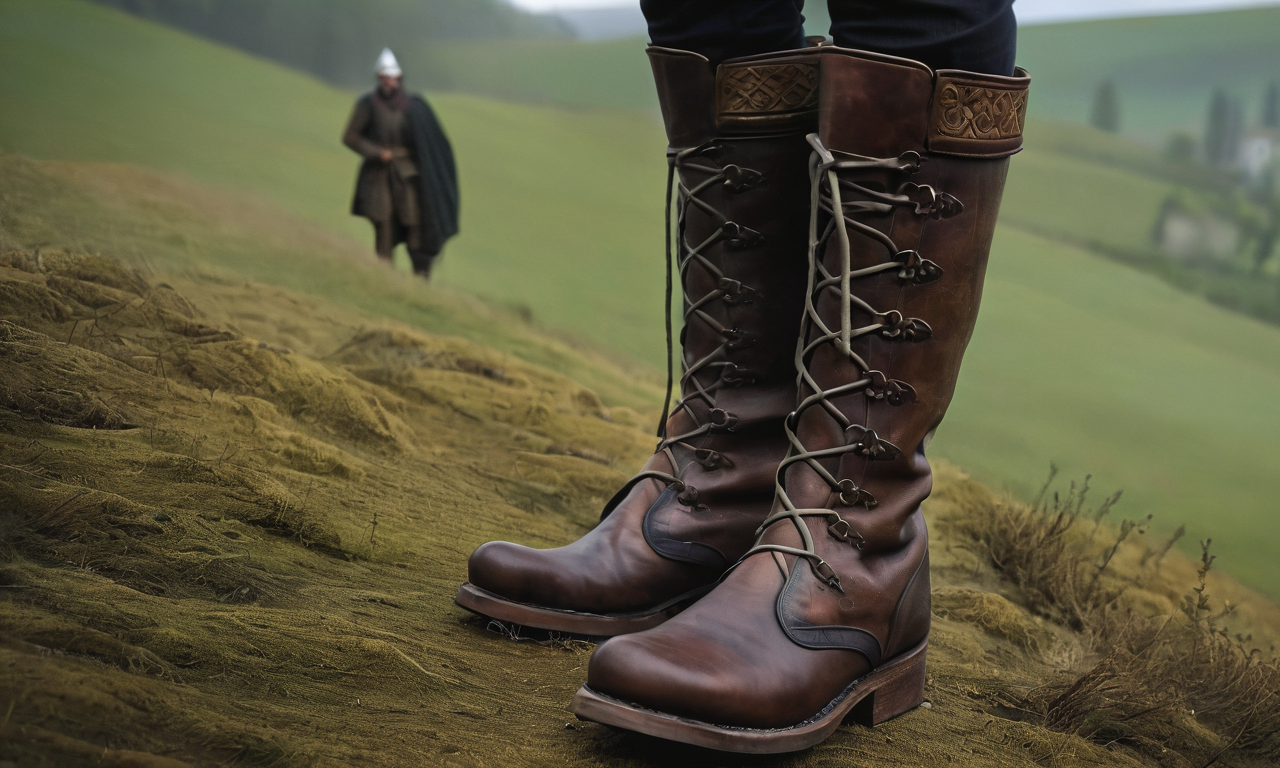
{"x":826,"y":574}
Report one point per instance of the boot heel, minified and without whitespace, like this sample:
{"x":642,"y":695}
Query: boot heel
{"x":900,"y":690}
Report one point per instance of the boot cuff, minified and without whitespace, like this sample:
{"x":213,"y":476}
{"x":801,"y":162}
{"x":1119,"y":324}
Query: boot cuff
{"x":769,"y":94}
{"x":883,"y":105}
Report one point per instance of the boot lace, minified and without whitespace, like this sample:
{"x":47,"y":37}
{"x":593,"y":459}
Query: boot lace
{"x":828,"y":195}
{"x":691,"y":174}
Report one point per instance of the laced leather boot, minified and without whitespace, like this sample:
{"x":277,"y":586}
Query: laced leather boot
{"x":828,"y":614}
{"x":737,"y":157}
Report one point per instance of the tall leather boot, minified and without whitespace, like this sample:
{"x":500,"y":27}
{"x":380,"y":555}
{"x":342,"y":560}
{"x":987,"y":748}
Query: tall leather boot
{"x":422,"y":262}
{"x":828,"y":614}
{"x":737,"y":153}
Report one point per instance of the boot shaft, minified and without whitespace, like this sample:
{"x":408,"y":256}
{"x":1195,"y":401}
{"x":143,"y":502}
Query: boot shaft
{"x":738,"y":154}
{"x":738,"y":157}
{"x":918,"y":161}
{"x":908,"y":171}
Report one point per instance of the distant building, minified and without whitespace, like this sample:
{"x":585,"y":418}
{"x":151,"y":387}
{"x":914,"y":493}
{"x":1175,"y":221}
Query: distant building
{"x":1257,"y":152}
{"x":1190,"y":232}
{"x":1187,"y":236}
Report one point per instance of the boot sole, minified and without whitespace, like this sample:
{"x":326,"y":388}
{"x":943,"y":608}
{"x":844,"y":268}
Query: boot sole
{"x":884,"y":693}
{"x":493,"y":606}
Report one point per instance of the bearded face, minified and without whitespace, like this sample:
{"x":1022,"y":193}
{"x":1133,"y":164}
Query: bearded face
{"x":388,"y":85}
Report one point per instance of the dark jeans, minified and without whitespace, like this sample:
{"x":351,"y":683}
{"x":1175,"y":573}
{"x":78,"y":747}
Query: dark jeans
{"x":974,"y":35}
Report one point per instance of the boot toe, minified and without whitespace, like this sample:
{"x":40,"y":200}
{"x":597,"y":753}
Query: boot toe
{"x":688,"y":676}
{"x":517,"y":573}
{"x":644,"y":670}
{"x":725,"y":661}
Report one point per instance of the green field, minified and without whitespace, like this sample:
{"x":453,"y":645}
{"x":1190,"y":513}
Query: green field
{"x":1164,"y":67}
{"x":608,"y":73}
{"x":1076,"y":359}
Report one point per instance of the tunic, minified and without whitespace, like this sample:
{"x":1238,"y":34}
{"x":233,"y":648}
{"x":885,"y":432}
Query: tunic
{"x":384,"y":191}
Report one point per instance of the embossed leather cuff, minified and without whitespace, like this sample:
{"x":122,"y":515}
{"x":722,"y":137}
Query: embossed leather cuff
{"x":880,"y":105}
{"x":978,"y":115}
{"x":774,"y":93}
{"x":950,"y":111}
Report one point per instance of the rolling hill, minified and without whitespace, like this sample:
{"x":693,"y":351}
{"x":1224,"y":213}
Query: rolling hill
{"x":335,"y":40}
{"x":1076,"y":359}
{"x":1164,"y":68}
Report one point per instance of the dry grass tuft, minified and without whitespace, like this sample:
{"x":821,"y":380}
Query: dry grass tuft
{"x":1180,"y":682}
{"x":545,"y":638}
{"x":1053,"y":550}
{"x":1179,"y":688}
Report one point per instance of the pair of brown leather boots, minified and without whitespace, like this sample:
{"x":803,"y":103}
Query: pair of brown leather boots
{"x":767,"y":572}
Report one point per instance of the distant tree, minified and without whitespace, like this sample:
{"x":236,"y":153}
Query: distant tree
{"x":1223,"y":129}
{"x":1271,"y":106}
{"x":1235,"y":132}
{"x":1181,"y":147}
{"x":1106,"y":108}
{"x":1216,"y":126}
{"x":1169,"y":206}
{"x":1269,"y":196}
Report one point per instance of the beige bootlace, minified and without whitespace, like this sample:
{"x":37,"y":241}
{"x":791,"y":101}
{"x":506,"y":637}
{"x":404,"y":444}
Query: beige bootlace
{"x":828,"y":196}
{"x":698,"y":162}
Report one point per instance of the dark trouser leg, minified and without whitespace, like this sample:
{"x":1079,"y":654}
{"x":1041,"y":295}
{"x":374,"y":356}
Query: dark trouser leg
{"x":383,"y":239}
{"x":974,"y":35}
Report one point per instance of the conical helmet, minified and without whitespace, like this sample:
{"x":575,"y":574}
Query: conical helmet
{"x":387,"y":64}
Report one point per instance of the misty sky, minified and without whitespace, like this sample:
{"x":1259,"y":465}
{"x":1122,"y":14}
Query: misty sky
{"x":1027,"y":10}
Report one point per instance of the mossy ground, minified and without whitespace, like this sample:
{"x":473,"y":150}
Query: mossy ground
{"x":233,"y":517}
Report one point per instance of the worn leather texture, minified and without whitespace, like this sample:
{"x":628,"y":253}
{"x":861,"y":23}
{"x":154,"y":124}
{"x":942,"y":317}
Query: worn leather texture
{"x":774,"y":643}
{"x":743,"y":279}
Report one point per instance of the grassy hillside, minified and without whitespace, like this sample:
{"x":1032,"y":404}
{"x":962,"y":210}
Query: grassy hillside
{"x":234,"y":517}
{"x":1077,"y":360}
{"x":178,"y":225}
{"x":1106,"y":370}
{"x":82,"y":82}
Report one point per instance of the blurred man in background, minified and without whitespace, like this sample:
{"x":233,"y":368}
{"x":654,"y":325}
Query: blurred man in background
{"x":408,"y":183}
